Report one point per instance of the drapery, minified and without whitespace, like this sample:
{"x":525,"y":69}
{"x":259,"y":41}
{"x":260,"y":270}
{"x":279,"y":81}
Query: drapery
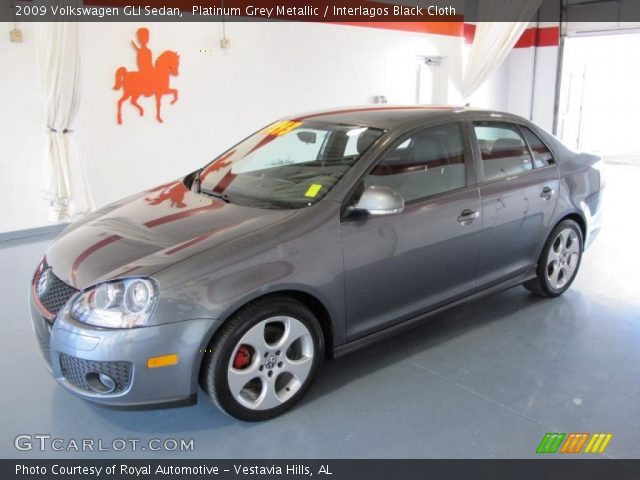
{"x":63,"y":181}
{"x":494,"y":40}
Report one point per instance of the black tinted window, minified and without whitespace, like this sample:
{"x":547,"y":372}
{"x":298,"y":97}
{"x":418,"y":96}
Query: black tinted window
{"x":542,"y":156}
{"x":427,"y":163}
{"x":504,"y":151}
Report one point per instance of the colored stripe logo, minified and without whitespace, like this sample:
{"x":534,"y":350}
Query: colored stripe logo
{"x":574,"y":443}
{"x":598,"y":443}
{"x":550,"y":442}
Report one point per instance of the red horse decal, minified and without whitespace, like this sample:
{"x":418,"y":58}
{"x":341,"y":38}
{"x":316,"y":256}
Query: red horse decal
{"x":175,"y":196}
{"x":150,"y":79}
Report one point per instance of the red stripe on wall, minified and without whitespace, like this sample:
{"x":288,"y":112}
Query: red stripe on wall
{"x":532,"y":37}
{"x":528,"y":39}
{"x":539,"y":37}
{"x":469,"y":32}
{"x":453,"y":29}
{"x":548,"y":37}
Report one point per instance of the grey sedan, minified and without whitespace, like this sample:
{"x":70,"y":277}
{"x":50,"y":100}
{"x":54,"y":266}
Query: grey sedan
{"x":314,"y":236}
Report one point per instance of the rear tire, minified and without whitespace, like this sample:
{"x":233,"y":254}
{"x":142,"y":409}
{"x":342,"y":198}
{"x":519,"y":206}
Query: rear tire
{"x":559,"y":261}
{"x":263,"y":359}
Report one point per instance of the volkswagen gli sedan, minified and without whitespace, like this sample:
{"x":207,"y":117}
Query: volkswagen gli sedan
{"x":312,"y":237}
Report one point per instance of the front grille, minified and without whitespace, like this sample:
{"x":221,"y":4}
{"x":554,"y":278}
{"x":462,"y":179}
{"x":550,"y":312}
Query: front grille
{"x":75,"y":371}
{"x":56,"y":293}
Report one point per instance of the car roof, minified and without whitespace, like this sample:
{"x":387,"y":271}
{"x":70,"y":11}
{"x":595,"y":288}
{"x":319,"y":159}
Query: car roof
{"x":388,"y":117}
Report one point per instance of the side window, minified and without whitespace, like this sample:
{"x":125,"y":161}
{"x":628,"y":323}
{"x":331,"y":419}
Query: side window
{"x":542,"y":156}
{"x":425,"y":164}
{"x":504,"y":151}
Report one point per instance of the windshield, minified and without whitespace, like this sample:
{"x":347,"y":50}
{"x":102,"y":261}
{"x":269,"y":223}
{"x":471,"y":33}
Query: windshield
{"x":289,"y":164}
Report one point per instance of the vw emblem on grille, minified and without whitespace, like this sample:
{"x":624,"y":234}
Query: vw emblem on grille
{"x":270,"y":362}
{"x":43,"y":282}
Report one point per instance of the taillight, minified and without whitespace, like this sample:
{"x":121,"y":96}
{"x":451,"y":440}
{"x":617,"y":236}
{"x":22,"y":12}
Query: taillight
{"x":600,"y":167}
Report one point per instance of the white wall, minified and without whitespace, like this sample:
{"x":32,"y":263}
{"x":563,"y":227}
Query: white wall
{"x":492,"y":94}
{"x":20,"y":133}
{"x":532,"y":83}
{"x":545,"y":86}
{"x":272,"y":70}
{"x":520,"y":65}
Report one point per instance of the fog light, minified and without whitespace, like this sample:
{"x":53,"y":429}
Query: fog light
{"x":101,"y":382}
{"x":108,"y":382}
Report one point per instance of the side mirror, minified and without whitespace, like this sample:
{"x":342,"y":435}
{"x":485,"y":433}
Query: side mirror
{"x":306,"y":136}
{"x":378,"y":200}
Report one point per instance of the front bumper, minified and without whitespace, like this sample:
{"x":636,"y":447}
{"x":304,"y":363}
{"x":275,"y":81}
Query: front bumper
{"x":74,"y":350}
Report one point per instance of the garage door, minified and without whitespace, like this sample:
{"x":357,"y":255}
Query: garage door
{"x":588,"y":17}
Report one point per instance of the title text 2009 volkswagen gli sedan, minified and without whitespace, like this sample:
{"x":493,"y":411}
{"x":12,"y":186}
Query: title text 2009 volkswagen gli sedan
{"x":314,"y":236}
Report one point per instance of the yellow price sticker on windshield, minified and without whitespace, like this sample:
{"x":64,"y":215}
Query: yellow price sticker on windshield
{"x":313,"y":190}
{"x":282,"y":127}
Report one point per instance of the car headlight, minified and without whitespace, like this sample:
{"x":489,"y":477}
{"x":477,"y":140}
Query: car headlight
{"x":124,"y":303}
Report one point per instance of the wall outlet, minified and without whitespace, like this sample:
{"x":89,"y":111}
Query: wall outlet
{"x":15,"y":35}
{"x":225,"y":43}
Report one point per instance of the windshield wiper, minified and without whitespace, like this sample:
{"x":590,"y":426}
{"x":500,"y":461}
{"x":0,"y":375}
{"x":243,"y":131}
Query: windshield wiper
{"x":220,"y":196}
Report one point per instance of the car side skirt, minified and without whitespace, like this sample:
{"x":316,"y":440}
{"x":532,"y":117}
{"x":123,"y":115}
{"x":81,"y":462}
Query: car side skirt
{"x":416,"y":321}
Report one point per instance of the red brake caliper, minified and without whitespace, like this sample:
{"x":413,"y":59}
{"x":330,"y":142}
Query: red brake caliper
{"x":242,"y":359}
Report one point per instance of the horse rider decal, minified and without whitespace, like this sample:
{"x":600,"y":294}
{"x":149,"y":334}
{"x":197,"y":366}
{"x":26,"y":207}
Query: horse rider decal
{"x":150,"y":79}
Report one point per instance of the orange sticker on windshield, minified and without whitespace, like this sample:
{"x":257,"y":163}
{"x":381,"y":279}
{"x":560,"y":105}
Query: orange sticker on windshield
{"x":313,"y":190}
{"x":282,"y":128}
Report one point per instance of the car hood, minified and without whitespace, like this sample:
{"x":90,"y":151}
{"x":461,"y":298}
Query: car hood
{"x":149,"y":231}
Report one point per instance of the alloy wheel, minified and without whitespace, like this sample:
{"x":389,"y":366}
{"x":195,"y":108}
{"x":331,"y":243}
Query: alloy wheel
{"x":270,"y":363}
{"x":563,"y":258}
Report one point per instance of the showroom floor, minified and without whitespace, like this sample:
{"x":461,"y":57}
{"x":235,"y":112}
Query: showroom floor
{"x":484,"y":380}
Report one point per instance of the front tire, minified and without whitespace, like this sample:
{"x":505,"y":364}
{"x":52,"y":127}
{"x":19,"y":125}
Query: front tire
{"x":263,"y":359}
{"x":559,"y":261}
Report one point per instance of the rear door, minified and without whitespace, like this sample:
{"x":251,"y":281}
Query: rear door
{"x":519,"y":190}
{"x":397,"y":266}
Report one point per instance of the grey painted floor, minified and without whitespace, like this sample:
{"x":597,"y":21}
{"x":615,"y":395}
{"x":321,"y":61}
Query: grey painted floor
{"x":484,"y":380}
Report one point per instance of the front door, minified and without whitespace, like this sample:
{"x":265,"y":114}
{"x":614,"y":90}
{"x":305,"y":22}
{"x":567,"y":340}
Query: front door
{"x":400,"y":265}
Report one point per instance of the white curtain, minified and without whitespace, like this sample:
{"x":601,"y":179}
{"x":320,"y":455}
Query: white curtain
{"x":63,"y":180}
{"x":494,"y":40}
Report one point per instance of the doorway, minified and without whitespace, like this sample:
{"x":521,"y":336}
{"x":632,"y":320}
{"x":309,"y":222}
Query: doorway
{"x":599,"y":100}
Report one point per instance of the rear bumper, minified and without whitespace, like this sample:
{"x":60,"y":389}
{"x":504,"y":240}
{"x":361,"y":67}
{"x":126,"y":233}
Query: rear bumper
{"x":76,"y":353}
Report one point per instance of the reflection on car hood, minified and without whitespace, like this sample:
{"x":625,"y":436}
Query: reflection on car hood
{"x":149,"y":231}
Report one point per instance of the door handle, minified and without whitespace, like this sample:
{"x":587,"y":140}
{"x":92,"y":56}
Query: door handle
{"x":467,"y":216}
{"x":546,"y":193}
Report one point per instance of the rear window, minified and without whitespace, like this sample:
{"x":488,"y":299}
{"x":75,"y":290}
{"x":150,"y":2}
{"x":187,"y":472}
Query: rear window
{"x":504,"y":151}
{"x":542,"y":156}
